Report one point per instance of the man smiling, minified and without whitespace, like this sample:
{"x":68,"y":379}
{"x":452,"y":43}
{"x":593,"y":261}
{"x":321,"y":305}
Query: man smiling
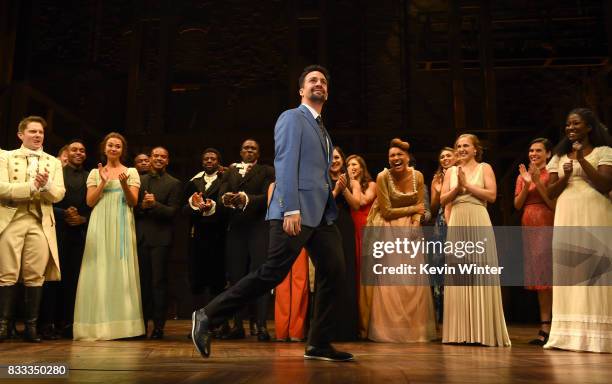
{"x":30,"y":182}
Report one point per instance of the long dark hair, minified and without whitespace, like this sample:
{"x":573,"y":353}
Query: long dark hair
{"x":440,"y":170}
{"x":365,"y":177}
{"x":344,"y":169}
{"x":598,"y":135}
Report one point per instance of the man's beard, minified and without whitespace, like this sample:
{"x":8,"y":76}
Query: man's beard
{"x":210,"y":171}
{"x":316,"y":98}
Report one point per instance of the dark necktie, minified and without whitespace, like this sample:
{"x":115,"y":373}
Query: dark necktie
{"x":321,"y":126}
{"x":323,"y":132}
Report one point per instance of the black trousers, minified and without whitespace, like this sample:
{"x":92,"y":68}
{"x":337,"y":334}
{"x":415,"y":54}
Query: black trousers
{"x":152,"y":262}
{"x":57,"y":306}
{"x":246,"y":250}
{"x":324,"y":246}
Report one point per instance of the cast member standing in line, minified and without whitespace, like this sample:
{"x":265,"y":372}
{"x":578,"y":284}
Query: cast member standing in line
{"x":30,"y":182}
{"x":581,"y":178}
{"x":301,"y":214}
{"x":109,"y":271}
{"x":531,"y":196}
{"x":72,"y":213}
{"x":366,"y":189}
{"x":206,"y":259}
{"x":160,"y":200}
{"x":347,"y":194}
{"x":446,"y":159}
{"x":142,"y":163}
{"x":400,"y":313}
{"x":473,"y":311}
{"x":243,"y":193}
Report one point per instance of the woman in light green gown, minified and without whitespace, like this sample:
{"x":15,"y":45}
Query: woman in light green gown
{"x":108,"y":304}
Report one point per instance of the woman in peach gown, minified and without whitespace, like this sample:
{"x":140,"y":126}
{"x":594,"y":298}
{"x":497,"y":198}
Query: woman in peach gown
{"x":400,"y":313}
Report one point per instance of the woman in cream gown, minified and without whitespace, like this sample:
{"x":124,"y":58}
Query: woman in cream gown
{"x":399,"y":313}
{"x":473,"y":311}
{"x":581,"y":177}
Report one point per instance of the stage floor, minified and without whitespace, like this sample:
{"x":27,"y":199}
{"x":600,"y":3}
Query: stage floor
{"x":174,"y":360}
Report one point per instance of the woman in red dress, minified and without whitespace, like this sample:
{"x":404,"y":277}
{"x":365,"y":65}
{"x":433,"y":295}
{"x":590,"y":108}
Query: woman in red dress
{"x":357,"y":170}
{"x":538,"y":211}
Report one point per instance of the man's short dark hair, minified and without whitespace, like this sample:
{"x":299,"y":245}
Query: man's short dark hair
{"x":212,"y":150}
{"x":159,"y":147}
{"x":75,"y":141}
{"x":313,"y":68}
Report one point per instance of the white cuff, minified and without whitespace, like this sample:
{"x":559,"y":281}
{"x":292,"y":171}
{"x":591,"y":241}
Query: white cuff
{"x":246,"y":199}
{"x":291,"y":213}
{"x":190,"y":201}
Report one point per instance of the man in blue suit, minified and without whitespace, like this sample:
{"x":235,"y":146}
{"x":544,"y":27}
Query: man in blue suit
{"x":301,"y":214}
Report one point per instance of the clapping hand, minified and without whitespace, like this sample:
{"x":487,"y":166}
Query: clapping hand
{"x":72,"y":217}
{"x":341,"y":183}
{"x":207,"y":205}
{"x":238,"y":200}
{"x":123,"y":179}
{"x":103,"y":172}
{"x":148,"y":200}
{"x":534,"y":171}
{"x":578,"y":148}
{"x":197,"y":200}
{"x":228,"y":198}
{"x":41,"y":179}
{"x":568,"y":168}
{"x":524,"y":174}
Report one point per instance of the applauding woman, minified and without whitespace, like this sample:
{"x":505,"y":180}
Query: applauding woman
{"x":581,"y":178}
{"x":473,"y":310}
{"x":538,"y":211}
{"x":108,"y":304}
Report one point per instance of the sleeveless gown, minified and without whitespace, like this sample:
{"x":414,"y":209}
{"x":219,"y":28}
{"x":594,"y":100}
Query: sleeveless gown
{"x":473,"y":313}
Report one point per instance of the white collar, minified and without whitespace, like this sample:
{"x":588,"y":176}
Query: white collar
{"x":314,"y":113}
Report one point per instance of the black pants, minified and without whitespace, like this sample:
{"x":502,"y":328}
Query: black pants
{"x":207,"y":259}
{"x":152,"y":262}
{"x":246,"y":250}
{"x":57,"y":305}
{"x":324,"y":246}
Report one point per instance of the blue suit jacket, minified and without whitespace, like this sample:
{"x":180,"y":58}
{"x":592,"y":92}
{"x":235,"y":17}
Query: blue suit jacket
{"x":301,"y":163}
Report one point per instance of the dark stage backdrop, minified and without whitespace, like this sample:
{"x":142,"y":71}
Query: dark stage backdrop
{"x":194,"y":74}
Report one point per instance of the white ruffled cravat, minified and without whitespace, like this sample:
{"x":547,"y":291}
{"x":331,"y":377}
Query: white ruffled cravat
{"x":33,"y":157}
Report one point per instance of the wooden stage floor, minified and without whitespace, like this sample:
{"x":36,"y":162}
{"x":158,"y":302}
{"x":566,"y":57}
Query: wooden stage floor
{"x":174,"y":360}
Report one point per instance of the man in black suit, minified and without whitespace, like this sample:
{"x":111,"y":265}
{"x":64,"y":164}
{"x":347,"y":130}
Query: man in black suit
{"x":206,"y":227}
{"x":160,"y":199}
{"x":72,"y":216}
{"x":244,"y":193}
{"x":301,"y":213}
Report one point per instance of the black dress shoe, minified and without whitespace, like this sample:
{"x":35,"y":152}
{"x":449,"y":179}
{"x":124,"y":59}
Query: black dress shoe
{"x":49,"y":332}
{"x":221,"y":331}
{"x":234,"y":334}
{"x":328,"y":353}
{"x":262,"y":334}
{"x":200,"y":333}
{"x":157,"y":334}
